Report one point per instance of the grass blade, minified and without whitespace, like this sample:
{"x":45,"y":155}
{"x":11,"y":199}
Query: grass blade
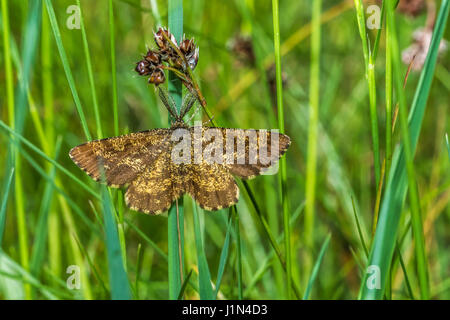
{"x":46,"y":157}
{"x":416,"y":216}
{"x":397,"y":184}
{"x":38,"y":252}
{"x":239,"y":253}
{"x":29,"y":48}
{"x":358,"y":226}
{"x":3,"y":205}
{"x":223,"y":257}
{"x":176,"y":213}
{"x":118,"y":281}
{"x":283,"y":172}
{"x":87,"y":56}
{"x":147,"y":239}
{"x":66,"y":66}
{"x":185,"y":283}
{"x":311,"y":161}
{"x":370,"y":76}
{"x":315,"y":270}
{"x":112,"y":39}
{"x":204,"y":276}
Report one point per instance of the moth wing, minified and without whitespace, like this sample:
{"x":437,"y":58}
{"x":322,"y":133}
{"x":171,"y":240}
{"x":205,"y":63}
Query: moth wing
{"x":270,"y":147}
{"x":121,"y":158}
{"x":154,"y":189}
{"x":246,"y":153}
{"x":211,"y":186}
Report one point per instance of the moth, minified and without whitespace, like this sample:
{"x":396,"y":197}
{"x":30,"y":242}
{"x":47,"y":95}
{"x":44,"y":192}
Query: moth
{"x":158,"y":166}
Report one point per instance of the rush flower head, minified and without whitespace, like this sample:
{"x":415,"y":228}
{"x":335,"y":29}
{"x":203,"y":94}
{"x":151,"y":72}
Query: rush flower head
{"x":157,"y":77}
{"x":161,"y":40}
{"x":190,"y":51}
{"x":168,"y":55}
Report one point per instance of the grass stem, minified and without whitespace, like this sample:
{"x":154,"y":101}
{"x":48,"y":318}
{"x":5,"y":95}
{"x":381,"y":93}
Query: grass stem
{"x":283,"y":172}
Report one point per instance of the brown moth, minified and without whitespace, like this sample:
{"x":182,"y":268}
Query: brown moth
{"x":148,"y":162}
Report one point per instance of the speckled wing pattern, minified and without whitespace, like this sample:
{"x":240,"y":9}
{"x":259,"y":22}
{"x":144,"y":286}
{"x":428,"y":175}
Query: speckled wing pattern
{"x":211,"y":185}
{"x":264,"y":139}
{"x":123,"y":158}
{"x":142,"y":162}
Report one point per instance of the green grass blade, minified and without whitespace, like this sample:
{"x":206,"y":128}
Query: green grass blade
{"x":204,"y":276}
{"x":184,"y":286}
{"x":8,"y":65}
{"x":223,"y":257}
{"x":416,"y":216}
{"x":6,"y":263}
{"x":147,"y":239}
{"x":92,"y":266}
{"x":378,"y":36}
{"x":28,"y":53}
{"x":389,"y":88}
{"x":270,"y":257}
{"x":118,"y":281}
{"x":138,"y":271}
{"x":112,"y":42}
{"x":405,"y":273}
{"x":87,"y":57}
{"x":283,"y":170}
{"x":311,"y":161}
{"x":66,"y":66}
{"x":315,"y":270}
{"x":4,"y":205}
{"x":370,"y":77}
{"x":269,"y":234}
{"x":360,"y":234}
{"x":397,"y":184}
{"x":38,"y":252}
{"x":83,"y":217}
{"x":238,"y":252}
{"x":176,"y":212}
{"x":46,"y":157}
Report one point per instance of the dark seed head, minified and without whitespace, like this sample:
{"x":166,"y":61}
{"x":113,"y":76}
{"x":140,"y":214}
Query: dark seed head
{"x":161,"y":40}
{"x":153,"y":57}
{"x":187,"y":46}
{"x":143,"y":68}
{"x":157,"y":77}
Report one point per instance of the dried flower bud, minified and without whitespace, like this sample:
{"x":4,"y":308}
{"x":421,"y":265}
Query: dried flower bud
{"x":161,"y":41}
{"x":153,"y":58}
{"x":187,"y":46}
{"x":193,"y":59}
{"x":190,"y":51}
{"x":143,"y":68}
{"x":157,"y":77}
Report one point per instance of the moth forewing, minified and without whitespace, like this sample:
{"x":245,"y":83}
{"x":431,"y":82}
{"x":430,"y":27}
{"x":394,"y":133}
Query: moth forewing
{"x":182,"y":146}
{"x":213,"y":150}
